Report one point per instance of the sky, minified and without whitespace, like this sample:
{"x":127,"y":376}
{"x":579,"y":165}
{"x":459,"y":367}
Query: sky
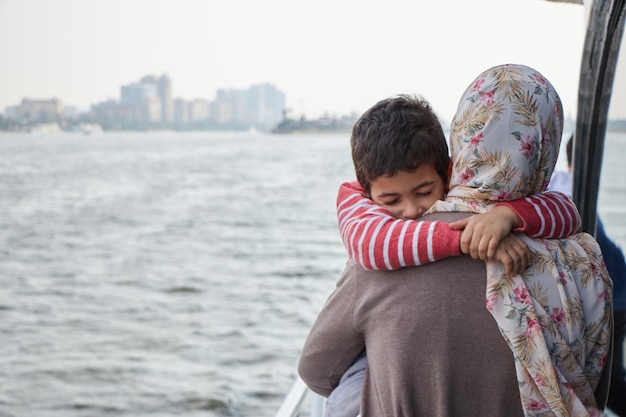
{"x":330,"y":57}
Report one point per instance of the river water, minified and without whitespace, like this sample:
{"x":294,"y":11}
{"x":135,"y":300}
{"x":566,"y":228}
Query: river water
{"x":167,"y":274}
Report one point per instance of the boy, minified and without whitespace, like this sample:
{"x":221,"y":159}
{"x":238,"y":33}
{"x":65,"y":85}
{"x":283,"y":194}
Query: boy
{"x":402,"y":166}
{"x":391,"y":142}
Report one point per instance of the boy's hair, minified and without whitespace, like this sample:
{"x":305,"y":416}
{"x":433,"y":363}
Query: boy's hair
{"x":399,"y":133}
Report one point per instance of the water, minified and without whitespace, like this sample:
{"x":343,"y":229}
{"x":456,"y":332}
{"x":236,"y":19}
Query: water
{"x":165,"y":274}
{"x":162,"y":274}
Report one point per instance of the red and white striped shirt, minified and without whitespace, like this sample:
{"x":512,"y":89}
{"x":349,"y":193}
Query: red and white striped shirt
{"x":377,"y":240}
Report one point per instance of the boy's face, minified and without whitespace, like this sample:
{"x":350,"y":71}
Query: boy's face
{"x":408,"y":194}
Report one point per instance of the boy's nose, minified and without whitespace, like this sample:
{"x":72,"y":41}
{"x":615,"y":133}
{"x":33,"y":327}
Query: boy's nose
{"x":412,"y":212}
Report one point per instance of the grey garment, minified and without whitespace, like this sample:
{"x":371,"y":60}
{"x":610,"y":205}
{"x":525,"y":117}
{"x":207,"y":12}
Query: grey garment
{"x":345,"y":400}
{"x":433,"y":349}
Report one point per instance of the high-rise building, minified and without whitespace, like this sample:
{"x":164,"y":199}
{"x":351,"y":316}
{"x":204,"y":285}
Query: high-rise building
{"x":181,"y":111}
{"x":134,"y":94}
{"x":164,"y":89}
{"x":222,"y":108}
{"x":266,"y":104}
{"x":199,"y":110}
{"x":141,"y":100}
{"x":259,"y":106}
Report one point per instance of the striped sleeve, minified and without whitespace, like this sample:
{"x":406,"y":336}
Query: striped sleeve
{"x":376,"y":240}
{"x":551,"y":214}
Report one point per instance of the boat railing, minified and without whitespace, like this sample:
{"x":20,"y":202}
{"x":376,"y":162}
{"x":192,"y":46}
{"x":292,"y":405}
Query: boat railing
{"x":293,"y":401}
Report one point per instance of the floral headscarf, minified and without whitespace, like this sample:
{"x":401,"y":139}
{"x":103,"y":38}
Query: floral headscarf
{"x":557,"y":316}
{"x":517,"y":106}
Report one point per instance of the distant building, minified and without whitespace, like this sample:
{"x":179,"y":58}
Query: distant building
{"x":181,"y":111}
{"x":164,"y":90}
{"x":265,"y":105}
{"x":259,"y":106}
{"x":149,"y":100}
{"x":222,"y":108}
{"x":38,"y":111}
{"x":11,"y":112}
{"x":152,"y":109}
{"x":111,"y":115}
{"x":199,"y":110}
{"x":134,"y":94}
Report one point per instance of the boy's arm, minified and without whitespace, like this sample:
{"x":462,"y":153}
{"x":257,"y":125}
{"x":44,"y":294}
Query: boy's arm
{"x":376,"y":240}
{"x":548,"y":215}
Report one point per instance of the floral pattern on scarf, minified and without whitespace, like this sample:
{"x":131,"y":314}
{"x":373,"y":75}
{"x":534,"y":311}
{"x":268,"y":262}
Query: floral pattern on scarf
{"x":557,"y":316}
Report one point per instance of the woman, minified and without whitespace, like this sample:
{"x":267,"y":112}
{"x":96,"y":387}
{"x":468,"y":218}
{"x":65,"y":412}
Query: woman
{"x":556,"y":319}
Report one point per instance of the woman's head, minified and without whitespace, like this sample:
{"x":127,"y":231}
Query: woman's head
{"x":505,"y":135}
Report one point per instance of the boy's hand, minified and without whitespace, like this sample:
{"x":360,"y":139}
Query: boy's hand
{"x":514,"y":254}
{"x":482,"y":233}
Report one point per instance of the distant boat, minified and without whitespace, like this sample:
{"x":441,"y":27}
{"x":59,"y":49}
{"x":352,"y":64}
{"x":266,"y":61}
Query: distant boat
{"x":45,"y":128}
{"x":321,"y":125}
{"x":89,"y":128}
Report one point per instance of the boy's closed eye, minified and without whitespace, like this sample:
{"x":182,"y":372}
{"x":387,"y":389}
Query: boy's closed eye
{"x":424,"y":193}
{"x":390,"y":202}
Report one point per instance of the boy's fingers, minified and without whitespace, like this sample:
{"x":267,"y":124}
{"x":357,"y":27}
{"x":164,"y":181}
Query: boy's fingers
{"x":507,"y":260}
{"x":513,"y":263}
{"x":487,"y":247}
{"x":466,"y":241}
{"x":523,"y":257}
{"x":493,"y":246}
{"x":459,"y":224}
{"x":473,"y":249}
{"x":527,"y":260}
{"x":483,"y":248}
{"x":509,"y":267}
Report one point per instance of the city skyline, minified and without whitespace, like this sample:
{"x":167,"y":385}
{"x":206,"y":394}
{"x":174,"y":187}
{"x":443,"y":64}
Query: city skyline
{"x":120,"y":94}
{"x":327,"y":57}
{"x":150,"y":103}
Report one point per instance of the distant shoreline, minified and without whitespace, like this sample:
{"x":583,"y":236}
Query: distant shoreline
{"x":302,"y":126}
